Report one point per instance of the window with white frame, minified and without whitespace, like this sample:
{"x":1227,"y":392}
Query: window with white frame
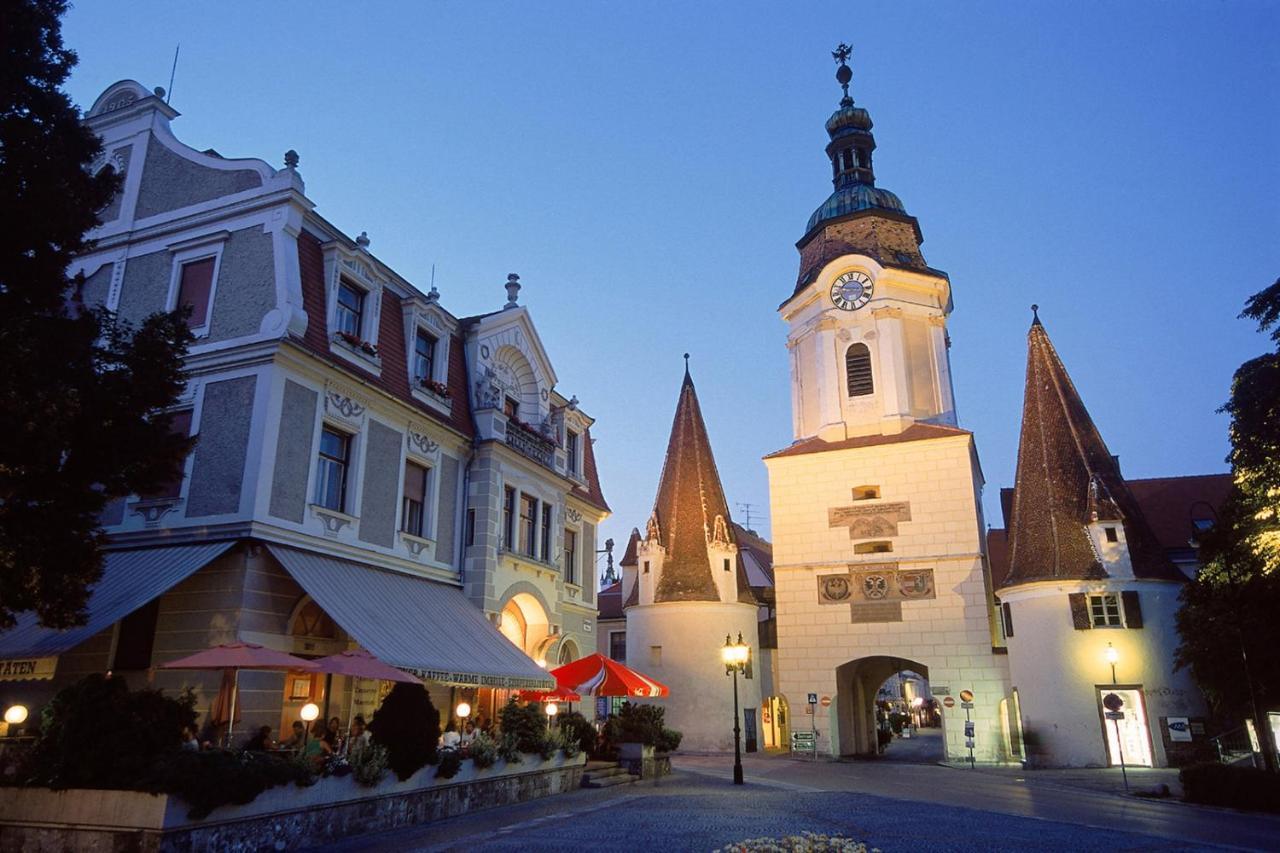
{"x":331,"y":472}
{"x":195,"y":291}
{"x":349,"y":312}
{"x":528,"y":525}
{"x":508,"y":518}
{"x":413,"y":517}
{"x":1104,"y":611}
{"x":572,"y":443}
{"x":424,"y":356}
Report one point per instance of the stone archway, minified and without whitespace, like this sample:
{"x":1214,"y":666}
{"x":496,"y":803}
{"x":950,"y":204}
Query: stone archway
{"x":524,"y":621}
{"x":857,"y":683}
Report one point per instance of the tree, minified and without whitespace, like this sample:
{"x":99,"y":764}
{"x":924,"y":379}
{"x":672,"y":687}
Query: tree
{"x":82,"y":396}
{"x":1228,"y":626}
{"x":407,"y":725}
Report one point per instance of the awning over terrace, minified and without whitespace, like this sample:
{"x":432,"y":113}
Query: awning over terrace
{"x":418,"y":625}
{"x":129,"y":580}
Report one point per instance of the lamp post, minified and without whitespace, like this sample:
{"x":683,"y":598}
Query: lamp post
{"x":308,"y":714}
{"x":462,"y":712}
{"x":1113,"y":703}
{"x":552,"y":709}
{"x":735,"y":657}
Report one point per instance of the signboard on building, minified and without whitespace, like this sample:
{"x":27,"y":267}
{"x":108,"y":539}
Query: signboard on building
{"x":1179,"y":729}
{"x":804,"y":742}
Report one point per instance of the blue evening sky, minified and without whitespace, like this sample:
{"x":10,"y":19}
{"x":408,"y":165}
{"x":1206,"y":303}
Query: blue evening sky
{"x":647,"y":168}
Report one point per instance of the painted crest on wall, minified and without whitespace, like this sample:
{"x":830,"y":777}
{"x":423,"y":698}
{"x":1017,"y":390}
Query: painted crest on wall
{"x":874,"y":592}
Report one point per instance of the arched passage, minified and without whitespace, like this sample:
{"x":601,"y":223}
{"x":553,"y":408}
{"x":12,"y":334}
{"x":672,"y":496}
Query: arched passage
{"x":857,"y":683}
{"x":525,"y":623}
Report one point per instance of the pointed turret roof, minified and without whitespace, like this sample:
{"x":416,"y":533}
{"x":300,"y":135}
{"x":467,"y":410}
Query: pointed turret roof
{"x":1067,"y":479}
{"x":690,"y":498}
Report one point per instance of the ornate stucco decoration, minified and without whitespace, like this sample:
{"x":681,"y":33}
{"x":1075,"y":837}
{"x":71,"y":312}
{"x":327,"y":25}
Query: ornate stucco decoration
{"x":870,"y":520}
{"x":488,"y":393}
{"x":343,"y":404}
{"x":572,"y":515}
{"x":875,"y":591}
{"x":421,"y":444}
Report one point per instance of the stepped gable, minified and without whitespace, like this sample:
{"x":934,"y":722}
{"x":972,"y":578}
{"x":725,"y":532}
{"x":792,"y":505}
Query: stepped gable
{"x":1067,"y":479}
{"x":689,"y":499}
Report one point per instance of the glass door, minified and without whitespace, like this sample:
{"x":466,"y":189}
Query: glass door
{"x":1129,"y":733}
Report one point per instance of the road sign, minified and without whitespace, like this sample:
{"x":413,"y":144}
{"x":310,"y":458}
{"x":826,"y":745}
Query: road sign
{"x":826,"y":701}
{"x":966,"y":695}
{"x":968,"y":706}
{"x":1112,"y":702}
{"x":949,"y":702}
{"x":969,"y":744}
{"x":804,"y":742}
{"x":968,"y":728}
{"x":1114,"y":715}
{"x":813,"y":698}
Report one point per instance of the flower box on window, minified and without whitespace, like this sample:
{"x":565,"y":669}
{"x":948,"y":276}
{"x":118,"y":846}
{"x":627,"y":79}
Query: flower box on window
{"x":532,"y":431}
{"x":437,"y":388}
{"x":356,"y":344}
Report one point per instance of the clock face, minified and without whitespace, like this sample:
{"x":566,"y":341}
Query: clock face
{"x":851,"y":291}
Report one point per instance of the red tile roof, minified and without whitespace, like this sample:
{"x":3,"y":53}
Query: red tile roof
{"x":915,"y":432}
{"x":1170,"y":504}
{"x":394,"y":378}
{"x":592,"y":493}
{"x":633,"y":543}
{"x":609,"y":601}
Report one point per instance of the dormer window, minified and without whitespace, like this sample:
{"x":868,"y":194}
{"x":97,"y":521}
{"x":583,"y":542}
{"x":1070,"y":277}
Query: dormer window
{"x":572,"y":441}
{"x":510,"y":407}
{"x":424,"y":356}
{"x":349,"y":316}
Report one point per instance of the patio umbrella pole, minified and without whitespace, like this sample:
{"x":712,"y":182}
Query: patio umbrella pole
{"x":231,"y":724}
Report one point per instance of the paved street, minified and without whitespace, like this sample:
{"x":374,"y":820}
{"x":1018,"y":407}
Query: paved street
{"x":889,"y":805}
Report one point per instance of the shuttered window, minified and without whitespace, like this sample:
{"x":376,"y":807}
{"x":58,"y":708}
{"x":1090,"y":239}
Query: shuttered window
{"x":1007,"y":612}
{"x":1132,"y":609}
{"x":857,"y":365}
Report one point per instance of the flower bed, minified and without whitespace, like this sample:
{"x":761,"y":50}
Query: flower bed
{"x":805,"y":842}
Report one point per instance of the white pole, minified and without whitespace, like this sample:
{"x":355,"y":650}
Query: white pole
{"x":235,"y":687}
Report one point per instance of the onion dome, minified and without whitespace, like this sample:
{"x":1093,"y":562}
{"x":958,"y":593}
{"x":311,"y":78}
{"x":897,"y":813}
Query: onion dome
{"x":850,"y":151}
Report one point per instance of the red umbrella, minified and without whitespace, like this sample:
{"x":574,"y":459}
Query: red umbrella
{"x":358,"y":663}
{"x":600,"y":676}
{"x":560,"y":694}
{"x":238,"y":656}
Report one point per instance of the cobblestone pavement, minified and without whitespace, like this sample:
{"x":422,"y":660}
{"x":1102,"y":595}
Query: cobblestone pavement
{"x":892,"y":807}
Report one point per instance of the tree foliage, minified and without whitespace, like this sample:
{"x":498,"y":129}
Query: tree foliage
{"x":407,"y":725}
{"x":1229,"y":611}
{"x":82,"y":395}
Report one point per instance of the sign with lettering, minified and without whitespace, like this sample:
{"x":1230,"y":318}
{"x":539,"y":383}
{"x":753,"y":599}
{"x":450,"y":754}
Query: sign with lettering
{"x":803,"y":742}
{"x":28,"y":669}
{"x":1179,"y":729}
{"x":870,"y":520}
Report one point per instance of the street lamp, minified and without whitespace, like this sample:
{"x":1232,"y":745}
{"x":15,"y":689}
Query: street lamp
{"x":15,"y":715}
{"x":1113,"y":703}
{"x":462,"y":711}
{"x":552,"y":709}
{"x":308,"y":714}
{"x":735,"y":657}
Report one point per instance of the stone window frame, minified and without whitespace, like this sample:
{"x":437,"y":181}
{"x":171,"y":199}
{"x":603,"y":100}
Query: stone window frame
{"x":431,"y":503}
{"x":423,"y":315}
{"x":191,"y":251}
{"x":356,"y":269}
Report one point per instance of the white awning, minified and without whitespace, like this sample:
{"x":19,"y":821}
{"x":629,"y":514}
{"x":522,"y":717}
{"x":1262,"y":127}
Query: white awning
{"x":418,"y":625}
{"x":129,"y":580}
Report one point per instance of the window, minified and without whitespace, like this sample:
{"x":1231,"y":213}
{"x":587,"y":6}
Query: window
{"x":331,"y":479}
{"x":726,"y":564}
{"x":413,"y":520}
{"x":546,"y":532}
{"x":194,"y":289}
{"x":349,"y":316}
{"x":646,"y":567}
{"x":882,"y":547}
{"x":857,"y":366}
{"x":866,"y":493}
{"x":1104,"y":611}
{"x":424,"y":356}
{"x":618,"y":646}
{"x":570,"y":556}
{"x":136,"y":638}
{"x":655,"y":656}
{"x":471,"y":527}
{"x":508,"y":519}
{"x":1110,"y":533}
{"x":179,"y":425}
{"x":571,"y":451}
{"x":528,"y":525}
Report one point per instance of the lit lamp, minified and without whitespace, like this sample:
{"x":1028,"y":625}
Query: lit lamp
{"x":552,"y":709}
{"x":463,"y":710}
{"x":1113,"y":657}
{"x":308,"y":714}
{"x":15,"y":715}
{"x":735,"y":657}
{"x":1113,"y":703}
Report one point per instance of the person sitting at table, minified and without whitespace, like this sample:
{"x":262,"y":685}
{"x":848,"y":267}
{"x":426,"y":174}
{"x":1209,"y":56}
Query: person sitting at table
{"x":317,"y":750}
{"x":450,"y":739}
{"x":333,"y":734}
{"x":299,"y":738}
{"x":260,"y":742}
{"x":468,"y":733}
{"x":359,"y":739}
{"x":189,"y":741}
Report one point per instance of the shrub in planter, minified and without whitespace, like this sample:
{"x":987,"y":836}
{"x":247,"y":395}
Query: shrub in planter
{"x":548,"y":745}
{"x":668,"y":740}
{"x":569,"y":743}
{"x":484,"y":751}
{"x":369,"y":765}
{"x":509,"y":749}
{"x":450,"y":763}
{"x":578,"y":731}
{"x":206,"y":780}
{"x":527,"y":722}
{"x":1238,"y":787}
{"x":98,"y":733}
{"x":407,"y":725}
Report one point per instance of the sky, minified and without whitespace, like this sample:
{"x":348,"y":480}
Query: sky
{"x":648,"y":167}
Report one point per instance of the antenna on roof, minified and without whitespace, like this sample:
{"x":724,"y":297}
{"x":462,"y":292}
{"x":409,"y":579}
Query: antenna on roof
{"x":173,"y":71}
{"x":746,"y":514}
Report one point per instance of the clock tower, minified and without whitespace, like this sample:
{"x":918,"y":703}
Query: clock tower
{"x":879,"y":545}
{"x":867,"y":318}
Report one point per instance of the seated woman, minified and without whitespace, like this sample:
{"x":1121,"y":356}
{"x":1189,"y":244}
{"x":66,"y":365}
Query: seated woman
{"x":317,"y":750}
{"x":260,"y":742}
{"x":468,"y":733}
{"x":450,"y":739}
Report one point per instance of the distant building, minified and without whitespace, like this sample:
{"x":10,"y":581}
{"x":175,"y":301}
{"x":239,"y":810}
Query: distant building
{"x":370,"y":469}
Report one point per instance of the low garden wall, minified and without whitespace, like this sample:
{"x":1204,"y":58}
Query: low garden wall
{"x":280,"y":818}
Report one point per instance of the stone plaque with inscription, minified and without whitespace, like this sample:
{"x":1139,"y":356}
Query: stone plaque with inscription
{"x":875,"y":591}
{"x":870,"y":520}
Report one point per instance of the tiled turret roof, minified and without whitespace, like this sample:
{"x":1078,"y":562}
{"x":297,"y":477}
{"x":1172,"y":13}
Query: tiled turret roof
{"x":690,"y":498}
{"x":1066,"y":479}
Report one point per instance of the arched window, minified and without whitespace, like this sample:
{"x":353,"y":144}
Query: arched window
{"x":857,"y":366}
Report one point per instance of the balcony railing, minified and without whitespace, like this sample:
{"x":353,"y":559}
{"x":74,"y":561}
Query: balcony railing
{"x":528,"y":443}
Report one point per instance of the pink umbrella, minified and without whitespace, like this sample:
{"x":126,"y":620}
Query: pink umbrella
{"x":357,"y":663}
{"x":238,"y":656}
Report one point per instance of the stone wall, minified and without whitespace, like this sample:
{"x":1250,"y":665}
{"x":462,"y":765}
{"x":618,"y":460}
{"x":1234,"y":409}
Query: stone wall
{"x":286,"y":818}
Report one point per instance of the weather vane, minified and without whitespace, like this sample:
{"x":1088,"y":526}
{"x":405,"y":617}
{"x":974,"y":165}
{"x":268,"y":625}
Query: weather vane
{"x":843,"y":73}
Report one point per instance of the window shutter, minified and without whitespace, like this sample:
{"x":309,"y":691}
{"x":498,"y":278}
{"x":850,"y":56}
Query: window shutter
{"x":1132,"y":609}
{"x":1008,"y":618}
{"x":857,"y":365}
{"x":1079,"y":611}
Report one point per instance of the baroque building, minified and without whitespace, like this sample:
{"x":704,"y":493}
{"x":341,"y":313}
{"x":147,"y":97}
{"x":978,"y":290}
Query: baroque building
{"x":370,"y":469}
